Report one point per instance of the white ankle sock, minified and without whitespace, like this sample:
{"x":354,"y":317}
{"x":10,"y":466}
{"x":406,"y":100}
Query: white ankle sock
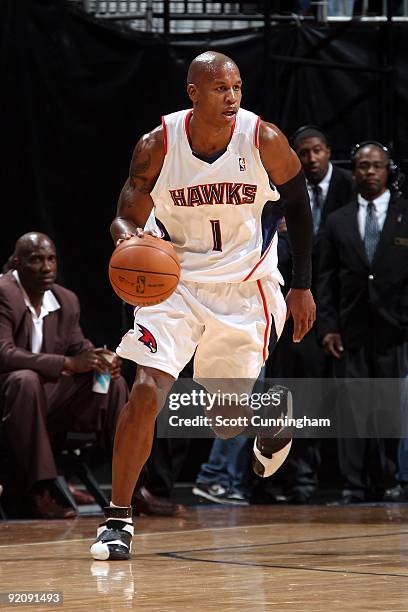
{"x":112,"y":505}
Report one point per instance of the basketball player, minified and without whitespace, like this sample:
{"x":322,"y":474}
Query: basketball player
{"x":208,"y":173}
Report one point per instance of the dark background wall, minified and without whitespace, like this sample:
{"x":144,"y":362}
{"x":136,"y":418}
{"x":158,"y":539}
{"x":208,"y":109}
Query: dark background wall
{"x":77,"y":94}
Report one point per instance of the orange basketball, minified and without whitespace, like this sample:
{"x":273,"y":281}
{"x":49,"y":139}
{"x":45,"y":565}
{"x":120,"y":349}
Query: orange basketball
{"x":144,"y":271}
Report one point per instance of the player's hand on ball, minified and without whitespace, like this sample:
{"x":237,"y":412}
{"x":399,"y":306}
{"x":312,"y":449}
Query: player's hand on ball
{"x":301,"y":306}
{"x":144,"y":270}
{"x":140,"y":233}
{"x":124,"y":237}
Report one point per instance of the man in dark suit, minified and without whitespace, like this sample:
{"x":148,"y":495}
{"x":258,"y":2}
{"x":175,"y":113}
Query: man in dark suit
{"x":329,"y":188}
{"x":363,"y":305}
{"x":46,"y":374}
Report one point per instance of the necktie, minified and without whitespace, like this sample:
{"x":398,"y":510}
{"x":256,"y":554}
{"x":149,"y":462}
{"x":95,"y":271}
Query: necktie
{"x":317,"y":207}
{"x":371,"y":232}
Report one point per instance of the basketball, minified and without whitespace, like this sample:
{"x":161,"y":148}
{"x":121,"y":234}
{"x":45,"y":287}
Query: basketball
{"x":144,"y":271}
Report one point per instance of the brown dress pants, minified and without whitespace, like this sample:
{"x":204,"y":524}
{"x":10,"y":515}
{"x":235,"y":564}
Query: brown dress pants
{"x":31,"y":410}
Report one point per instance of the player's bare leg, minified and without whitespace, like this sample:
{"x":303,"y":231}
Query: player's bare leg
{"x":135,"y":430}
{"x":232,"y":412}
{"x":133,"y":443}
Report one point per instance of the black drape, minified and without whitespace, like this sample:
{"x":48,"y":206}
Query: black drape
{"x":77,"y":93}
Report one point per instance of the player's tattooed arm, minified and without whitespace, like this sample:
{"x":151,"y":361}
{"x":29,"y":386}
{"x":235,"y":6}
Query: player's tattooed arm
{"x":140,"y":179}
{"x":135,"y":202}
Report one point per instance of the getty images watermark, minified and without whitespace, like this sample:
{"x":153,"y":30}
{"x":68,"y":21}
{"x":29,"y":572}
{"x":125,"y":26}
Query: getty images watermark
{"x":273,"y":400}
{"x":308,"y":408}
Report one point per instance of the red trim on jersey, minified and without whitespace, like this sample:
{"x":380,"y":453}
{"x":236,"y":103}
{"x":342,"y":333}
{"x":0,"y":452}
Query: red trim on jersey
{"x":186,"y":122}
{"x":233,"y":126}
{"x":268,"y":321}
{"x":164,"y":136}
{"x":259,"y":262}
{"x":258,"y":121}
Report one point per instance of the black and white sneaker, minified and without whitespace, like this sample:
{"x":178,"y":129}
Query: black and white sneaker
{"x":269,"y":455}
{"x":272,"y":446}
{"x":114,"y":536}
{"x":237,"y":499}
{"x":212,"y":492}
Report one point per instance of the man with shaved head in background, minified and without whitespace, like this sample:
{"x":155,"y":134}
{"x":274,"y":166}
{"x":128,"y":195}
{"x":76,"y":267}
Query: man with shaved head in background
{"x":363,"y":323}
{"x":212,"y":175}
{"x":46,"y":374}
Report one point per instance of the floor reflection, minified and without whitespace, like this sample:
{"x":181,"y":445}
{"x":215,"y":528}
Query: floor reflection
{"x":115,"y":580}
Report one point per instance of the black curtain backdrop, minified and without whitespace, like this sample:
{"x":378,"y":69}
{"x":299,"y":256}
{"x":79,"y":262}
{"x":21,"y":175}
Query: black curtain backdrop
{"x":77,"y":94}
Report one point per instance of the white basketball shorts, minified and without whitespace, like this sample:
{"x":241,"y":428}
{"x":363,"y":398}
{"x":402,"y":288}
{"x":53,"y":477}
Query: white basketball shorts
{"x":226,"y":325}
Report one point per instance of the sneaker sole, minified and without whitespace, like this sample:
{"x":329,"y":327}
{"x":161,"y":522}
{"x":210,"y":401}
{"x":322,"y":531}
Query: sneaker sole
{"x":238,"y":502}
{"x":100,"y":551}
{"x":209,"y":497}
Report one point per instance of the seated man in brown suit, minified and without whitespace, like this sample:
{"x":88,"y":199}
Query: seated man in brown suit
{"x":46,"y":374}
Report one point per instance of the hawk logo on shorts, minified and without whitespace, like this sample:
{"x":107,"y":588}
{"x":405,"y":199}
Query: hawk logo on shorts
{"x":147,"y":338}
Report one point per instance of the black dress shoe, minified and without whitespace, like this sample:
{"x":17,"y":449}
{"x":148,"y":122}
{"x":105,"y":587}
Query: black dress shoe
{"x":399,"y":493}
{"x":82,"y":498}
{"x":44,"y":506}
{"x":144,"y":502}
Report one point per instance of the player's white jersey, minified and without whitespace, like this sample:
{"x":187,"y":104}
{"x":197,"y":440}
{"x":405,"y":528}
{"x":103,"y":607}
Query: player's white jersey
{"x":215,"y":213}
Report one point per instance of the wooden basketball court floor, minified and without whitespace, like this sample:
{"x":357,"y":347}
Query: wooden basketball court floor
{"x":255,"y":559}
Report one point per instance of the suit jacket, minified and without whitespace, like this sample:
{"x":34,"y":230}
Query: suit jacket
{"x":62,"y":334}
{"x":364,"y":303}
{"x":340,"y":193}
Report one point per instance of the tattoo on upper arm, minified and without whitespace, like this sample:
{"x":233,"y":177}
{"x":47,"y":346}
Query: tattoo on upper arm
{"x":126,"y":200}
{"x":141,"y":163}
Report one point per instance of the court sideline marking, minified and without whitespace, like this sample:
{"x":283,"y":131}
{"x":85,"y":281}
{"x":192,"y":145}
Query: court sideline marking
{"x":182,"y":556}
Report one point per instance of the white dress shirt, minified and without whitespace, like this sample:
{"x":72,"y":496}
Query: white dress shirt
{"x":324,"y":186}
{"x":49,"y":304}
{"x":380,"y":209}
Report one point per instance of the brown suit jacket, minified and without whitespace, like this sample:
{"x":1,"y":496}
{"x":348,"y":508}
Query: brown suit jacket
{"x":62,"y":334}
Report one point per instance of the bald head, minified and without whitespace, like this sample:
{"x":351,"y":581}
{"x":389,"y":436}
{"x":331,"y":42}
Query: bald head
{"x":214,"y":86}
{"x":31,"y":241}
{"x":207,"y":65}
{"x":371,"y":171}
{"x":35,"y":260}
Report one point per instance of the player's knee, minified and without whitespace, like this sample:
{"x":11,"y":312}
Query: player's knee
{"x":225,"y":432}
{"x":229,"y":419}
{"x":222,"y":434}
{"x":149,"y":391}
{"x":144,"y":396}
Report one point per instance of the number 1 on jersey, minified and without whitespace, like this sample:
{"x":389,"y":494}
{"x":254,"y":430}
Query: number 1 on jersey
{"x":216,"y":232}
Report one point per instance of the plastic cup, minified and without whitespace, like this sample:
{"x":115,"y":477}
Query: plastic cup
{"x":101,"y":381}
